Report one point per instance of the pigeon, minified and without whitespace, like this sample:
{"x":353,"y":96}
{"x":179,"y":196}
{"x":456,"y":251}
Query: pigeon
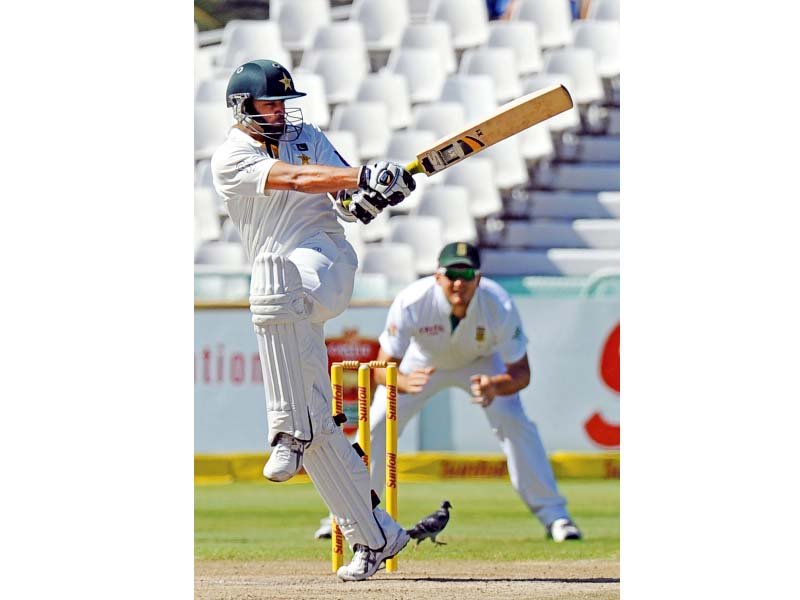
{"x":432,"y":525}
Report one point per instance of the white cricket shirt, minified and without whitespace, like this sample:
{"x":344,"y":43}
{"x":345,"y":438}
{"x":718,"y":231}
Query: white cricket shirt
{"x":418,"y":327}
{"x":276,"y":220}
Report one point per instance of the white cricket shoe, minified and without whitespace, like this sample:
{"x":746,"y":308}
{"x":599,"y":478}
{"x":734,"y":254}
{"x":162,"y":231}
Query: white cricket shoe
{"x":285,"y":459}
{"x":564,"y":529}
{"x":367,"y":561}
{"x":325,"y":530}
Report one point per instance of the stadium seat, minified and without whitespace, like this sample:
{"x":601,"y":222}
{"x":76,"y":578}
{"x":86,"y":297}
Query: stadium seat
{"x":221,"y":271}
{"x":369,"y":121}
{"x":395,"y":261}
{"x":206,"y":216}
{"x":536,"y":143}
{"x":211,"y":91}
{"x":580,"y":233}
{"x":603,"y":10}
{"x":425,"y":234}
{"x":440,"y":117}
{"x":569,"y":120}
{"x":596,"y":177}
{"x":341,"y":84}
{"x":346,"y":145}
{"x":499,"y":64}
{"x":553,"y":19}
{"x":340,"y":35}
{"x":573,"y":205}
{"x":371,"y":287}
{"x":211,"y":124}
{"x":383,"y":21}
{"x":299,"y":20}
{"x":579,"y":65}
{"x":315,"y":104}
{"x":424,"y":85}
{"x":510,"y":169}
{"x":202,"y":173}
{"x":436,"y":35}
{"x":204,"y":64}
{"x":220,"y":253}
{"x":468,"y":21}
{"x":403,"y":148}
{"x":474,"y":92}
{"x":377,"y":229}
{"x":404,"y":145}
{"x":450,"y":203}
{"x":558,"y":261}
{"x":391,"y":89}
{"x":477,"y":175}
{"x":602,"y":37}
{"x":523,"y":38}
{"x":244,"y":40}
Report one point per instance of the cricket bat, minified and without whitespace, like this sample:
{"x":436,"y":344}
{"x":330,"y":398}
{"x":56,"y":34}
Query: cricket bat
{"x":508,"y":120}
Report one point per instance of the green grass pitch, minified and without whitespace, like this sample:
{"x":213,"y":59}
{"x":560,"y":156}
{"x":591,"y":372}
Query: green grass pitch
{"x":266,"y":521}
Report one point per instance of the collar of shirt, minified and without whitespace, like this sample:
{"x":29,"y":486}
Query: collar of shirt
{"x":444,"y":308}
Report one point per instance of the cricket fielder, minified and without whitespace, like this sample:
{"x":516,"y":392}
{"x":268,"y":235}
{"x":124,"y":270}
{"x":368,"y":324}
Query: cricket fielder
{"x":457,"y":329}
{"x":274,"y":172}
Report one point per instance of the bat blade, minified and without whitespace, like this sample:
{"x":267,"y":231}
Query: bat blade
{"x":509,"y":119}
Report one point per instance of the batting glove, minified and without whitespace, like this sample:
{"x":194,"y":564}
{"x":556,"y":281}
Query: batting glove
{"x":388,"y":180}
{"x":339,"y":207}
{"x":366,"y":206}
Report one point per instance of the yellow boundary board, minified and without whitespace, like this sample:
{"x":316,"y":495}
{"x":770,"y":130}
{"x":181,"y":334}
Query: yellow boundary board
{"x":417,"y":466}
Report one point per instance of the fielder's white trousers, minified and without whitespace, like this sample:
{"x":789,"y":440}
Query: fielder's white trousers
{"x":528,"y":466}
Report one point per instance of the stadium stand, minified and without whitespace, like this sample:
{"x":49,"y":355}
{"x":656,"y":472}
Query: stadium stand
{"x":542,"y":204}
{"x":523,"y":39}
{"x":552,"y":17}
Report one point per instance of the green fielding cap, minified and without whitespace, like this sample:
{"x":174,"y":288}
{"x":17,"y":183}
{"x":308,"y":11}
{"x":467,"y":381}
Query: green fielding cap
{"x":460,"y":253}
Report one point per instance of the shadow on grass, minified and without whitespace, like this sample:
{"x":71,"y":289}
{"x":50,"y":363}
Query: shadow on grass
{"x":508,"y":579}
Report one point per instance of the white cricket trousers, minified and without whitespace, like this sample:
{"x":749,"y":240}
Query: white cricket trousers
{"x":528,"y":466}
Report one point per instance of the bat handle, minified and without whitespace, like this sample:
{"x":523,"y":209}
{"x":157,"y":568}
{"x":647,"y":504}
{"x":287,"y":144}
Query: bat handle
{"x":413,"y":167}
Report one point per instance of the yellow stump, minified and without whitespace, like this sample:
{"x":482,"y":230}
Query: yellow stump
{"x":337,"y":407}
{"x":363,"y":410}
{"x":391,"y":450}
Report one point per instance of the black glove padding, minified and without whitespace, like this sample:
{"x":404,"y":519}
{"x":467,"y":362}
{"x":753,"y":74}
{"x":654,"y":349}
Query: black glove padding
{"x":366,"y":206}
{"x":388,"y":180}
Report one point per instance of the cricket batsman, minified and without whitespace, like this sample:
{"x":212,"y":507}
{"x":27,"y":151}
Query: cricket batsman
{"x":458,"y":329}
{"x":277,"y":176}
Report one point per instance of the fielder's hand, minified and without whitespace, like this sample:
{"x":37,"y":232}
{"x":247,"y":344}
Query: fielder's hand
{"x":338,"y":205}
{"x":414,"y":382}
{"x":388,"y":180}
{"x":483,"y":390}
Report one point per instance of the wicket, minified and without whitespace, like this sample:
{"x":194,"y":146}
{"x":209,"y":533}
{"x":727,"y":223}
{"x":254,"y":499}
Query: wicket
{"x":337,"y":407}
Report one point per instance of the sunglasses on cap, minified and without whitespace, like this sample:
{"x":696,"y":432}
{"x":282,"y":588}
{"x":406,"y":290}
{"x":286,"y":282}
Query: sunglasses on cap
{"x":453,"y":273}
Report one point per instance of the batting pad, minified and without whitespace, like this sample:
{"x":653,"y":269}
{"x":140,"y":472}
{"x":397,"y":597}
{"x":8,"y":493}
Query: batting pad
{"x":280,"y":319}
{"x":341,"y":478}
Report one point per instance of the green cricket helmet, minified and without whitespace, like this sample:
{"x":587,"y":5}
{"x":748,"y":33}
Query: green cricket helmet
{"x":263,"y":80}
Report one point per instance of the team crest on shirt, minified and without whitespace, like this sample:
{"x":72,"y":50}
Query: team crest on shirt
{"x":480,"y":334}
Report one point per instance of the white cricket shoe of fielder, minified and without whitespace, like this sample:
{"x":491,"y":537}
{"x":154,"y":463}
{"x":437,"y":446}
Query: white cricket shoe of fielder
{"x":367,"y":561}
{"x":285,"y":459}
{"x":564,"y":529}
{"x":325,"y":530}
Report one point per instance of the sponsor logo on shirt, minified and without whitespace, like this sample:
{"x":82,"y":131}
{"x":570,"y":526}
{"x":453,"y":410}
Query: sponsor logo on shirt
{"x":480,"y":334}
{"x":249,"y":164}
{"x":431,"y":329}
